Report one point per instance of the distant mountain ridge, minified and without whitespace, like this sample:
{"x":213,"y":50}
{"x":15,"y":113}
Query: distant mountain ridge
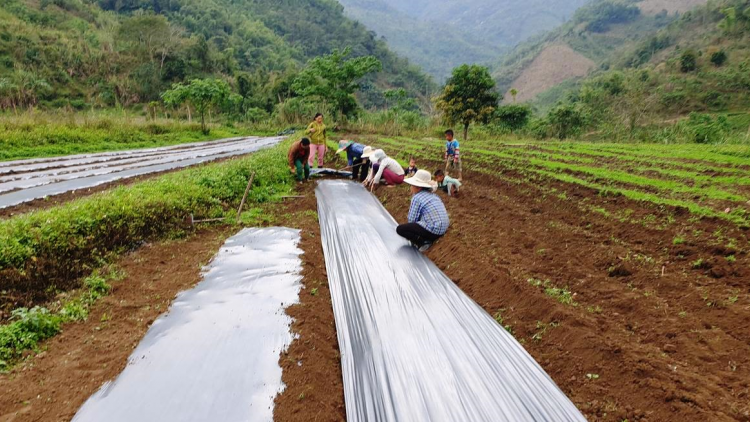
{"x":442,"y":34}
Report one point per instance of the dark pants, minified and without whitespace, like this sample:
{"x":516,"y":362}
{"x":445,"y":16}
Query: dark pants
{"x":361,"y":167}
{"x":302,"y":167}
{"x":416,"y":234}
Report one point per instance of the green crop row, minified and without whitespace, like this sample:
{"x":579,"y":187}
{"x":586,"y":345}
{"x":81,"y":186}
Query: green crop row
{"x":31,"y":140}
{"x":51,"y":247}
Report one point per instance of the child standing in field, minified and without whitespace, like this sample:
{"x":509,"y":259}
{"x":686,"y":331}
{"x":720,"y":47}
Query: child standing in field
{"x":447,"y":184}
{"x":452,"y":156}
{"x":412,"y":169}
{"x":318,"y":137}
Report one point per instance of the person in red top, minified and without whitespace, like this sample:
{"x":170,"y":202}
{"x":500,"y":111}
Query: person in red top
{"x":299,"y":153}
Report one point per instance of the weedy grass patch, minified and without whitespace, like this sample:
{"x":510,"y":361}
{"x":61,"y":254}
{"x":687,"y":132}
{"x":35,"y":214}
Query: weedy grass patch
{"x":28,"y":327}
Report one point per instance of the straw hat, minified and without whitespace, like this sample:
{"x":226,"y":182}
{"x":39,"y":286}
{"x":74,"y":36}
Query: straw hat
{"x":368,"y":151}
{"x":422,"y":179}
{"x":378,"y":155}
{"x":343,"y":145}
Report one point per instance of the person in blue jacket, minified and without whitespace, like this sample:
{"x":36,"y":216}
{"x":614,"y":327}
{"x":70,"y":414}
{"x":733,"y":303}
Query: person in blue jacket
{"x":356,"y":162}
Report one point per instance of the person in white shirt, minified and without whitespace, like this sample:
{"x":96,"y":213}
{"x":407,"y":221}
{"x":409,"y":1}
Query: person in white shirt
{"x":385,"y":168}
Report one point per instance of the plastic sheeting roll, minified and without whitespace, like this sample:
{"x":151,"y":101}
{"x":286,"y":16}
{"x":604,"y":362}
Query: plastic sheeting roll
{"x":214,"y":356}
{"x":413,"y":346}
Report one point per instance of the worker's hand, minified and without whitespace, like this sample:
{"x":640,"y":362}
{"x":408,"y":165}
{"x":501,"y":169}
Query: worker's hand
{"x":293,"y":171}
{"x":312,"y":130}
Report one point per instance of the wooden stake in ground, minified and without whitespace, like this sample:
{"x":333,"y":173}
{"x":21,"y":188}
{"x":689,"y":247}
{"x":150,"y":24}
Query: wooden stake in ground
{"x":244,"y":197}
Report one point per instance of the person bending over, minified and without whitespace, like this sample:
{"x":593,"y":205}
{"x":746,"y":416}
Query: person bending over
{"x":299,"y":153}
{"x":354,"y":159}
{"x":386,"y":168}
{"x":447,"y":184}
{"x":428,"y":218}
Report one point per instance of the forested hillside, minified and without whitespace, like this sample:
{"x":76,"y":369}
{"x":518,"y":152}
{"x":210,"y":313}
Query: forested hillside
{"x":688,"y":82}
{"x":82,"y":53}
{"x":595,"y":34}
{"x":442,"y":34}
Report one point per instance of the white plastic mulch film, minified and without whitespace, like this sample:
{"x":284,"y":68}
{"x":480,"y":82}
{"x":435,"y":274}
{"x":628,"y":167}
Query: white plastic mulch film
{"x":414,"y":347}
{"x":214,"y":356}
{"x":25,"y":180}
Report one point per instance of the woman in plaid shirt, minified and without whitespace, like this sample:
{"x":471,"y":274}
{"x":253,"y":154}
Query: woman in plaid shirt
{"x":428,"y":218}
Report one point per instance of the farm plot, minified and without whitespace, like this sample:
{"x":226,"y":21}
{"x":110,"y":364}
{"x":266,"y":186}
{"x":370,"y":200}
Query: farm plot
{"x":26,"y":180}
{"x":623,"y":269}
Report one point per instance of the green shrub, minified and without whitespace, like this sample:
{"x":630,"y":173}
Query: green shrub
{"x":688,"y":61}
{"x":27,"y":328}
{"x":718,"y":58}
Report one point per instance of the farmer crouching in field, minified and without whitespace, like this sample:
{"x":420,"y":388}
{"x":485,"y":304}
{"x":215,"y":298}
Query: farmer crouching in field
{"x":452,"y":156}
{"x":428,"y":218}
{"x":386,"y":168}
{"x":447,"y":184}
{"x":299,"y":153}
{"x":354,"y":158}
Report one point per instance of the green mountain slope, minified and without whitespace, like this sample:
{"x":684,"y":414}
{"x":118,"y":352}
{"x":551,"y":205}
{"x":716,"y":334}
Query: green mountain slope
{"x":597,"y":34}
{"x":687,"y":82}
{"x":441,"y":34}
{"x":108,"y":52}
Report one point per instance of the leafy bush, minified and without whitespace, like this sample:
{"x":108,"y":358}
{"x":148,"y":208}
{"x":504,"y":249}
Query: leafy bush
{"x":566,"y":120}
{"x":718,"y":58}
{"x":688,"y":61}
{"x":27,"y":328}
{"x":704,"y":128}
{"x":513,"y":117}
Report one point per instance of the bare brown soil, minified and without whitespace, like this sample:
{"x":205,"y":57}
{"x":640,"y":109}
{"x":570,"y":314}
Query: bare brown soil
{"x":312,"y":365}
{"x":555,"y":64}
{"x":53,"y":384}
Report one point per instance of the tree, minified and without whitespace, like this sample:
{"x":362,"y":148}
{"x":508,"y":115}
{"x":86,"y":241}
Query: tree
{"x":202,"y":94}
{"x":399,"y":100}
{"x":513,"y":116}
{"x":151,"y":36}
{"x":688,"y":61}
{"x":333,"y":79}
{"x":514,"y":94}
{"x":469,"y":96}
{"x":566,"y":120}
